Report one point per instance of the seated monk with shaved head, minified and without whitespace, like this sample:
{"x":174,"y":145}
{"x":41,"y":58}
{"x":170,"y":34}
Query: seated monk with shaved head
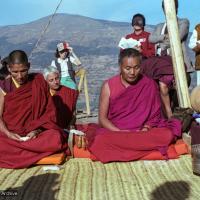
{"x":28,"y":131}
{"x":130,"y":116}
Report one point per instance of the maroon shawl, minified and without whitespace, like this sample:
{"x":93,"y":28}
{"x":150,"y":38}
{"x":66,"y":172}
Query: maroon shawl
{"x":156,"y":67}
{"x":65,"y":102}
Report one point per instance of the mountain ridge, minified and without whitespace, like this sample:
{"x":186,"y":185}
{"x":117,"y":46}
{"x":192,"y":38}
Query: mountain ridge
{"x":95,"y":42}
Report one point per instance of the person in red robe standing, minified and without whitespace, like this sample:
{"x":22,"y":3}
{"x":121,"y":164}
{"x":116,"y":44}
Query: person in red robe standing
{"x":130,"y":116}
{"x":28,"y":131}
{"x":146,"y":48}
{"x":64,"y":98}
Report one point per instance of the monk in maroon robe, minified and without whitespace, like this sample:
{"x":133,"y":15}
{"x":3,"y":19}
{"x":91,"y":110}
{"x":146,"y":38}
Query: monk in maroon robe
{"x":130,"y":116}
{"x":64,"y":98}
{"x":27,"y":124}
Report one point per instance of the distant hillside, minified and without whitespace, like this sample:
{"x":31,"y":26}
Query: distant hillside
{"x":94,"y":41}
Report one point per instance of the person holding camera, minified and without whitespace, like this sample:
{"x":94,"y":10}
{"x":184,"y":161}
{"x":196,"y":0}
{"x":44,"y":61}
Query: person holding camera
{"x":65,"y":59}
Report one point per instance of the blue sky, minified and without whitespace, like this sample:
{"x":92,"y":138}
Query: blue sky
{"x":23,"y":11}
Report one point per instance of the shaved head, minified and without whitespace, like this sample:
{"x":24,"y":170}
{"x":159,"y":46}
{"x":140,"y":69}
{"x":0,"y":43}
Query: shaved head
{"x":18,"y":57}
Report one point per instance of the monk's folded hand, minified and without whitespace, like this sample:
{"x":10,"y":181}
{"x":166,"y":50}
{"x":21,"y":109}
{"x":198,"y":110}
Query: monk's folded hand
{"x":14,"y":136}
{"x":33,"y":134}
{"x":144,"y":129}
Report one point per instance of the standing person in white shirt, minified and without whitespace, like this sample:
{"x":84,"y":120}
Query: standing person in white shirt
{"x":65,"y":59}
{"x":194,"y":44}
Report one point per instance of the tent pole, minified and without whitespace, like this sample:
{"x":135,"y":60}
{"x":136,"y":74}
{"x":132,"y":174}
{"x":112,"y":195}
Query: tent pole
{"x":177,"y":54}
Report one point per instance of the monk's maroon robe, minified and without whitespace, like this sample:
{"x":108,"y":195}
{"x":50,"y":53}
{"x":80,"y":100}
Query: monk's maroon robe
{"x":65,"y":102}
{"x":159,"y":68}
{"x":25,"y":109}
{"x":130,"y":109}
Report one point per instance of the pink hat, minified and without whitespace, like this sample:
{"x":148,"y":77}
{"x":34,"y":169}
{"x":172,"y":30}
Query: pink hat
{"x":62,"y":46}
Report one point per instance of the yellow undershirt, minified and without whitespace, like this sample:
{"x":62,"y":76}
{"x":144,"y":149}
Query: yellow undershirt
{"x":17,"y":85}
{"x":52,"y":92}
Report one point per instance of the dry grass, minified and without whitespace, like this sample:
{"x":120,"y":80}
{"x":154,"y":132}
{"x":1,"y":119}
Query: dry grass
{"x":82,"y":179}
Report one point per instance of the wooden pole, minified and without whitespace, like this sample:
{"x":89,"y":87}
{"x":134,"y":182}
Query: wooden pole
{"x":87,"y":99}
{"x":83,"y":81}
{"x":177,"y":54}
{"x":81,"y":74}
